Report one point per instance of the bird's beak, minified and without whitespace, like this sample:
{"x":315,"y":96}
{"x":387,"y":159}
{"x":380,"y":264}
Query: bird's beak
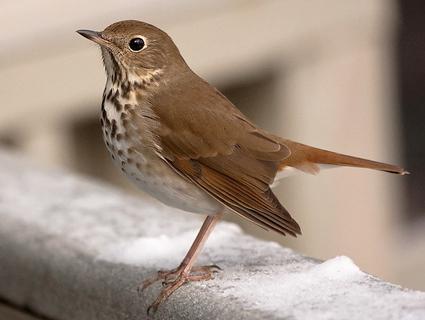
{"x":94,"y":36}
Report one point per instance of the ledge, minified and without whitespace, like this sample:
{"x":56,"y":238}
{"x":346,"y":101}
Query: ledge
{"x":75,"y":249}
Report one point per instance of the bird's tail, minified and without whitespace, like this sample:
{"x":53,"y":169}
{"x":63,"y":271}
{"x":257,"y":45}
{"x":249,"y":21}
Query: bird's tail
{"x":308,"y":159}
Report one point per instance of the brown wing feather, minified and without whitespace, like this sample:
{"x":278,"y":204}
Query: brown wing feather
{"x":259,"y":206}
{"x":208,"y":141}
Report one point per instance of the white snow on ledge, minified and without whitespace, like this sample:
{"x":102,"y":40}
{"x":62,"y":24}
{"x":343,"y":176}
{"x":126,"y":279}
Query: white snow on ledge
{"x":334,"y":289}
{"x":73,"y":249}
{"x":164,"y":250}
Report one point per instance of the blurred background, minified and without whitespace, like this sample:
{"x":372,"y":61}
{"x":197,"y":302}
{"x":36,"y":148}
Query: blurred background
{"x":341,"y":75}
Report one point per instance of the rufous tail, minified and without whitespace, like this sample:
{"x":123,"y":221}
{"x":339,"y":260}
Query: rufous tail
{"x":307,"y":158}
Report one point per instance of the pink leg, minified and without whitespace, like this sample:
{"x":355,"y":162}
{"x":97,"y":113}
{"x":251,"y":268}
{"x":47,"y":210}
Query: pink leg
{"x":175,"y":278}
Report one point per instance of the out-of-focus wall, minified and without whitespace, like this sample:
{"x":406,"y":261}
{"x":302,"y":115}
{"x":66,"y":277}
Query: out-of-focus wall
{"x":319,"y":72}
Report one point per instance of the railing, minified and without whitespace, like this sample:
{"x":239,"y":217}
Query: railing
{"x":76,"y":249}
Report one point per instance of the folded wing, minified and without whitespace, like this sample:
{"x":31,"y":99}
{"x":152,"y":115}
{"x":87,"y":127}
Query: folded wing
{"x":209,"y":142}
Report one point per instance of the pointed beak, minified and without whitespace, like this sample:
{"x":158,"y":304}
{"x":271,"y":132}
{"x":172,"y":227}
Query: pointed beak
{"x":94,"y":36}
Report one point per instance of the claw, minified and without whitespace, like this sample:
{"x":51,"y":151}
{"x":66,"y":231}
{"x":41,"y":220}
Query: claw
{"x":151,"y":310}
{"x":214,"y":266}
{"x":167,"y":291}
{"x":174,"y":279}
{"x":160,"y":275}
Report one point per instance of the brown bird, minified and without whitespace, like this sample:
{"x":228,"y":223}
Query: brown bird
{"x":182,"y":141}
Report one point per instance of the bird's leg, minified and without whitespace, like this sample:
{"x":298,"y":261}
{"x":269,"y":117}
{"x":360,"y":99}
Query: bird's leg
{"x":185,"y":272}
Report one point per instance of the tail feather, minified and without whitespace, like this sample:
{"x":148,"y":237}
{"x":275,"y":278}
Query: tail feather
{"x":306,"y":158}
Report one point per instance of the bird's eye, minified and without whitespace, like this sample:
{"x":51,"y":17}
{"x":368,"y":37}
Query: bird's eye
{"x":136,"y":44}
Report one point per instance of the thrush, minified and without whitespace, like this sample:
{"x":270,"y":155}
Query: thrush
{"x":183,"y":142}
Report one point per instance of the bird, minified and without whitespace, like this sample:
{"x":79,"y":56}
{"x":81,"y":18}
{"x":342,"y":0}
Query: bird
{"x":183,"y":142}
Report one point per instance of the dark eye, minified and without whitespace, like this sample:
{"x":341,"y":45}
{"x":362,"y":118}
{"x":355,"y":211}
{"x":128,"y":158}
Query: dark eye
{"x":136,"y":44}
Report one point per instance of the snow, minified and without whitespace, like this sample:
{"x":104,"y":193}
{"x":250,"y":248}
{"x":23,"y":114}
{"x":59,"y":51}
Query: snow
{"x":334,"y":289}
{"x":161,"y":250}
{"x":151,"y":251}
{"x":303,"y":289}
{"x":75,"y":249}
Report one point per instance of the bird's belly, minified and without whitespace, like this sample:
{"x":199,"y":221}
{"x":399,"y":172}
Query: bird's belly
{"x":161,"y":182}
{"x":151,"y":174}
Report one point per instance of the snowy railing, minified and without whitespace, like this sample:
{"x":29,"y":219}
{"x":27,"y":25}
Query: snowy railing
{"x":75,"y":249}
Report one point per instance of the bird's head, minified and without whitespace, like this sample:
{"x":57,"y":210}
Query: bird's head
{"x":134,"y":49}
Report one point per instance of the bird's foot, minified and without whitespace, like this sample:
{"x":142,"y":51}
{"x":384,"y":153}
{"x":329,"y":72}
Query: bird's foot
{"x":174,"y":279}
{"x":170,"y":275}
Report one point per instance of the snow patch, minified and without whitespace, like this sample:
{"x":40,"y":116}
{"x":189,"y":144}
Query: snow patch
{"x":149,"y":251}
{"x":162,"y":250}
{"x":338,"y":268}
{"x":334,"y":289}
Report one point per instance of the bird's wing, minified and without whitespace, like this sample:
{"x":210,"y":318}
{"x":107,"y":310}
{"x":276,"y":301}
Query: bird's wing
{"x":208,"y":141}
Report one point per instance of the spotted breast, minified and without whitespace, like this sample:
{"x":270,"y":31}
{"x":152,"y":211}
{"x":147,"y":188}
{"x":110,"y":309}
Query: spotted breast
{"x":127,"y":125}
